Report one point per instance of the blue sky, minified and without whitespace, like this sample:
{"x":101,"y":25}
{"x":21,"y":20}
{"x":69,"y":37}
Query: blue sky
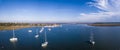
{"x":56,"y":11}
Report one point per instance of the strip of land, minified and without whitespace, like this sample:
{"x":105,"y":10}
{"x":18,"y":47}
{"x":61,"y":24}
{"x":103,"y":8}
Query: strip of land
{"x":105,"y":24}
{"x":11,"y":26}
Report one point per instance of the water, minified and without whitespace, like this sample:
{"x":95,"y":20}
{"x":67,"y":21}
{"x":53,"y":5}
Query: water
{"x":67,"y":37}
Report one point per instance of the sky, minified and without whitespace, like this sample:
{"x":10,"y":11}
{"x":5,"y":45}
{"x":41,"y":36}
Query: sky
{"x":59,"y":11}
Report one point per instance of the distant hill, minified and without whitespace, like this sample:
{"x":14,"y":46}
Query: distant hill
{"x":105,"y":24}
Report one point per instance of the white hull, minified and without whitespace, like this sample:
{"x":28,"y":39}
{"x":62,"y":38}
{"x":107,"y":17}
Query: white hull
{"x":41,"y":30}
{"x":13,"y":39}
{"x":44,"y":44}
{"x":29,"y":30}
{"x":36,"y":36}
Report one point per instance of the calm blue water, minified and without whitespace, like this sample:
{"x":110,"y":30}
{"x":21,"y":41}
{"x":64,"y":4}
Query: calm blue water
{"x":67,"y":37}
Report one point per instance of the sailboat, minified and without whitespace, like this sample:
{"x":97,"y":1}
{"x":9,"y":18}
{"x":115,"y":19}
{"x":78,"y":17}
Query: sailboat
{"x":46,"y":42}
{"x":49,"y":29}
{"x":42,"y":30}
{"x":37,"y":35}
{"x":29,"y":30}
{"x":13,"y":39}
{"x":92,"y":39}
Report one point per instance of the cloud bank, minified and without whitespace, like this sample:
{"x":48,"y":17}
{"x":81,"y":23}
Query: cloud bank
{"x":109,"y":10}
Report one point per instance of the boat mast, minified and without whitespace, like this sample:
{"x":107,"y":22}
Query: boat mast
{"x":13,"y":33}
{"x":37,"y":31}
{"x":45,"y":37}
{"x":91,"y":37}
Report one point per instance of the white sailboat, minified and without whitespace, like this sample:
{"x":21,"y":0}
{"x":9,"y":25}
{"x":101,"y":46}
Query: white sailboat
{"x":13,"y":39}
{"x":37,"y":35}
{"x":45,"y":43}
{"x":29,"y":30}
{"x":92,"y":39}
{"x":42,"y":30}
{"x":49,"y":29}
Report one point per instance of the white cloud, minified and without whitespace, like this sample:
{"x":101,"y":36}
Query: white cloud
{"x":108,"y":9}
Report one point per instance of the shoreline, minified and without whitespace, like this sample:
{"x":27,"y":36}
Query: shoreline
{"x":104,"y":24}
{"x":11,"y":26}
